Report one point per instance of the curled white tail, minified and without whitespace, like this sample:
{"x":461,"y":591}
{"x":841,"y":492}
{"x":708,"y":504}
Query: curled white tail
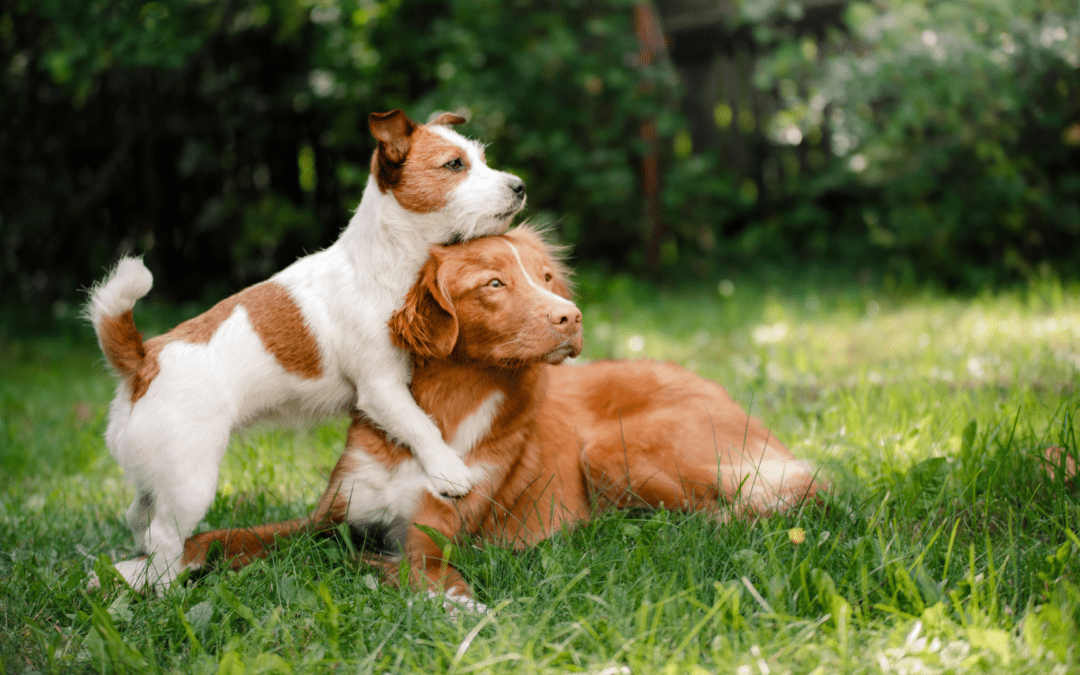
{"x":119,"y":291}
{"x":109,"y":310}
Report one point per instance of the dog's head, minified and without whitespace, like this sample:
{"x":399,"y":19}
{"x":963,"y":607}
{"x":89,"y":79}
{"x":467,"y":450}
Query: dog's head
{"x":440,"y":178}
{"x":496,"y":300}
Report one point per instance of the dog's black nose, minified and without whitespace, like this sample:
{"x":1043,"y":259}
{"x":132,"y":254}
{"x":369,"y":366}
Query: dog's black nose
{"x":518,"y":186}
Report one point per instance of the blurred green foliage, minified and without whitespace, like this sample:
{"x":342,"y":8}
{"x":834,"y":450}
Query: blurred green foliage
{"x":934,"y":140}
{"x":226,"y":139}
{"x":949,"y":130}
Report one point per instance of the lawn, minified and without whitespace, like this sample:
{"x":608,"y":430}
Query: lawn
{"x":947,"y":545}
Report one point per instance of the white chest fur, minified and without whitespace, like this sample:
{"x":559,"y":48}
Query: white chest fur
{"x":375,"y":493}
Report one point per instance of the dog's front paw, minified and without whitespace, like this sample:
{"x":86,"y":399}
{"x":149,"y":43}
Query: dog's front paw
{"x":451,"y":477}
{"x":456,"y":600}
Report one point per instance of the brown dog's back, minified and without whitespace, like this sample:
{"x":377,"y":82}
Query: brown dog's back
{"x":620,"y":434}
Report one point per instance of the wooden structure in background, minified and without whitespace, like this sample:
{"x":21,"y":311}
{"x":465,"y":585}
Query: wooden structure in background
{"x":715,"y":58}
{"x":651,"y":48}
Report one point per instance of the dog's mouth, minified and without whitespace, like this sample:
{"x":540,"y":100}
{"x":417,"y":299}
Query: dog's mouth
{"x":498,"y":224}
{"x":561,"y":353}
{"x":512,"y":211}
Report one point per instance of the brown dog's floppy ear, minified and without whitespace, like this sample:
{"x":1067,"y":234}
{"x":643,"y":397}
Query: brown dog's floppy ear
{"x":426,"y":324}
{"x":394,"y":132}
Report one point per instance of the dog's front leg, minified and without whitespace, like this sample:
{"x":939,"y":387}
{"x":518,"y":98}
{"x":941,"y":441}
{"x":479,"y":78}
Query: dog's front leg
{"x":429,"y":565}
{"x":389,"y":404}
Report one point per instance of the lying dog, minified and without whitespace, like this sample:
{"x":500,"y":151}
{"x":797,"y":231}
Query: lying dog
{"x":487,"y":321}
{"x":311,"y":340}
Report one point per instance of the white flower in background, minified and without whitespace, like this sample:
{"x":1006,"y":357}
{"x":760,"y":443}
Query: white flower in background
{"x":321,"y":82}
{"x":770,"y":335}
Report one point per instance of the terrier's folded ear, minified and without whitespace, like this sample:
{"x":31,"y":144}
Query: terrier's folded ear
{"x":394,"y":132}
{"x":426,"y":324}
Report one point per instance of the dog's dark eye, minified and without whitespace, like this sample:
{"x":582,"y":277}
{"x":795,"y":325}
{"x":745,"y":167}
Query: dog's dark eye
{"x":496,"y":283}
{"x":455,"y":164}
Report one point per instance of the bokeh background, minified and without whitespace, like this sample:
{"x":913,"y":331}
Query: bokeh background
{"x":914,"y":141}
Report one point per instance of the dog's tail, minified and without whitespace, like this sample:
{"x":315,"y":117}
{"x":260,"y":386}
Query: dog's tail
{"x":241,"y":546}
{"x":109,"y":309}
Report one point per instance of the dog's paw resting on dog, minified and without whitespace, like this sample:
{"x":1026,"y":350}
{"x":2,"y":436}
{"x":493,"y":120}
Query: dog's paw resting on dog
{"x":310,"y":340}
{"x":547,"y":444}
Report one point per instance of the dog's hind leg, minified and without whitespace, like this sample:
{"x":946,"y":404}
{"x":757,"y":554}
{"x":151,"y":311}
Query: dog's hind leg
{"x":678,"y":480}
{"x":172,"y":523}
{"x":175,"y":491}
{"x":636,"y":479}
{"x":138,"y":516}
{"x":631,"y":463}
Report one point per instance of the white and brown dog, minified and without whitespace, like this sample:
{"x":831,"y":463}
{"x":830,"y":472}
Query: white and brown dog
{"x":311,"y":340}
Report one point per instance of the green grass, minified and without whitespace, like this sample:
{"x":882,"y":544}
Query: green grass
{"x":945,"y":547}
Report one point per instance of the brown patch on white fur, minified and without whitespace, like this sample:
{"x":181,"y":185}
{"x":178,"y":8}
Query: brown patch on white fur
{"x":122,"y":343}
{"x":280,"y":326}
{"x":411,"y":160}
{"x":426,"y":180}
{"x":273,"y":315}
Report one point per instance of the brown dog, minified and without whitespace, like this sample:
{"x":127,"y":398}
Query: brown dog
{"x":550,"y":444}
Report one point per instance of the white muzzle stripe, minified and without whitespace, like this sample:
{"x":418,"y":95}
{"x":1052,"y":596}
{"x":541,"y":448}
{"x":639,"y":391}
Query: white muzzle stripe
{"x":543,"y":291}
